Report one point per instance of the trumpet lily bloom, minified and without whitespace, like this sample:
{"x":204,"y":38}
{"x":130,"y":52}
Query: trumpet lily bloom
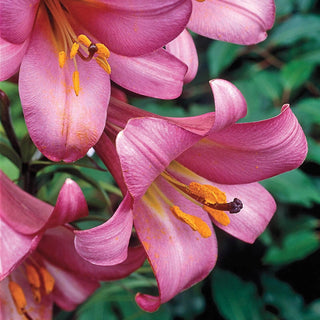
{"x":180,"y":175}
{"x":242,"y":22}
{"x":67,"y":50}
{"x":39,"y":264}
{"x":237,"y":21}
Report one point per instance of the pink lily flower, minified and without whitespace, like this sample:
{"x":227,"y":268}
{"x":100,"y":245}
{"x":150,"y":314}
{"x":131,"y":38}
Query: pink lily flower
{"x":66,"y":51}
{"x":184,"y":49}
{"x":240,"y":22}
{"x":180,"y":175}
{"x":39,"y":264}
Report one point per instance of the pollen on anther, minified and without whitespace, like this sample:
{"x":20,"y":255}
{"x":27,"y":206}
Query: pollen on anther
{"x":196,"y":223}
{"x":218,"y":215}
{"x":18,"y":296}
{"x":48,"y":280}
{"x":62,"y":58}
{"x":76,"y":82}
{"x":103,"y":63}
{"x":84,"y":40}
{"x":33,"y":276}
{"x":103,"y":50}
{"x":74,"y":50}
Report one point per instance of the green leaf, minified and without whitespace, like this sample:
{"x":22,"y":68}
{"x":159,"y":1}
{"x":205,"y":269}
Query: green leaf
{"x":259,"y":107}
{"x":189,"y":304}
{"x":295,"y":246}
{"x":28,"y":149}
{"x":295,"y":28}
{"x":295,"y":73}
{"x":235,"y":298}
{"x":311,"y":56}
{"x":284,"y":7}
{"x":11,"y":89}
{"x":294,"y":187}
{"x":163,"y":108}
{"x":280,"y":295}
{"x":313,"y":151}
{"x":220,"y":55}
{"x":98,"y":311}
{"x":313,"y":311}
{"x":305,"y":5}
{"x":9,"y":168}
{"x":10,"y":154}
{"x":307,"y":112}
{"x":269,"y":84}
{"x":115,"y":301}
{"x":299,"y":223}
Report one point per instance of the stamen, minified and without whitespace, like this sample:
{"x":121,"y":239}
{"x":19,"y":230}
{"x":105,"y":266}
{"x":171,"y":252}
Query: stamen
{"x":33,"y":276}
{"x":48,"y":280}
{"x":103,"y":63}
{"x":35,"y":282}
{"x":76,"y":82}
{"x":84,"y":40}
{"x":62,"y":58}
{"x":18,"y":297}
{"x":103,"y":50}
{"x":219,"y":216}
{"x":193,"y":221}
{"x":206,"y":194}
{"x":214,"y":201}
{"x":74,"y":50}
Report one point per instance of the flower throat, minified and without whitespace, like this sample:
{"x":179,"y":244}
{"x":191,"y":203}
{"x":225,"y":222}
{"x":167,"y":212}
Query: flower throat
{"x":70,"y":45}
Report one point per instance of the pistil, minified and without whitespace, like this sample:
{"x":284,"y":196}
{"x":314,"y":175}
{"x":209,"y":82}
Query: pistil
{"x":212,"y":199}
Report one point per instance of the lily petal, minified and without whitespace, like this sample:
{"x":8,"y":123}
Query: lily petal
{"x":57,"y":246}
{"x":241,"y":22}
{"x":134,"y":22}
{"x":11,"y":56}
{"x":158,"y":74}
{"x":185,"y":50}
{"x":249,"y":152}
{"x":258,"y":209}
{"x":20,"y":210}
{"x":107,"y":244}
{"x":179,"y":256}
{"x":106,"y":151}
{"x":150,"y":142}
{"x":69,"y":289}
{"x":119,"y":113}
{"x":258,"y":204}
{"x":62,"y":125}
{"x":14,"y":248}
{"x":71,"y":205}
{"x":17,"y":19}
{"x":230,"y":105}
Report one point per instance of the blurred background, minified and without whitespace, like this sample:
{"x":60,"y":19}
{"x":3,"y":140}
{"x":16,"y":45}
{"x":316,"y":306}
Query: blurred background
{"x":278,"y":277}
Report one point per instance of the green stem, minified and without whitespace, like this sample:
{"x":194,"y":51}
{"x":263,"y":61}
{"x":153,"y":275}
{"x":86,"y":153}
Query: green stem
{"x":7,"y":123}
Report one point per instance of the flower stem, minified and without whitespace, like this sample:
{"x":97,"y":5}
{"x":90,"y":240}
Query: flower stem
{"x":7,"y":123}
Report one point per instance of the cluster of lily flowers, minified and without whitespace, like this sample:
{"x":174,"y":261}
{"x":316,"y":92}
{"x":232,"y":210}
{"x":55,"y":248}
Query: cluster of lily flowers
{"x":178,"y":176}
